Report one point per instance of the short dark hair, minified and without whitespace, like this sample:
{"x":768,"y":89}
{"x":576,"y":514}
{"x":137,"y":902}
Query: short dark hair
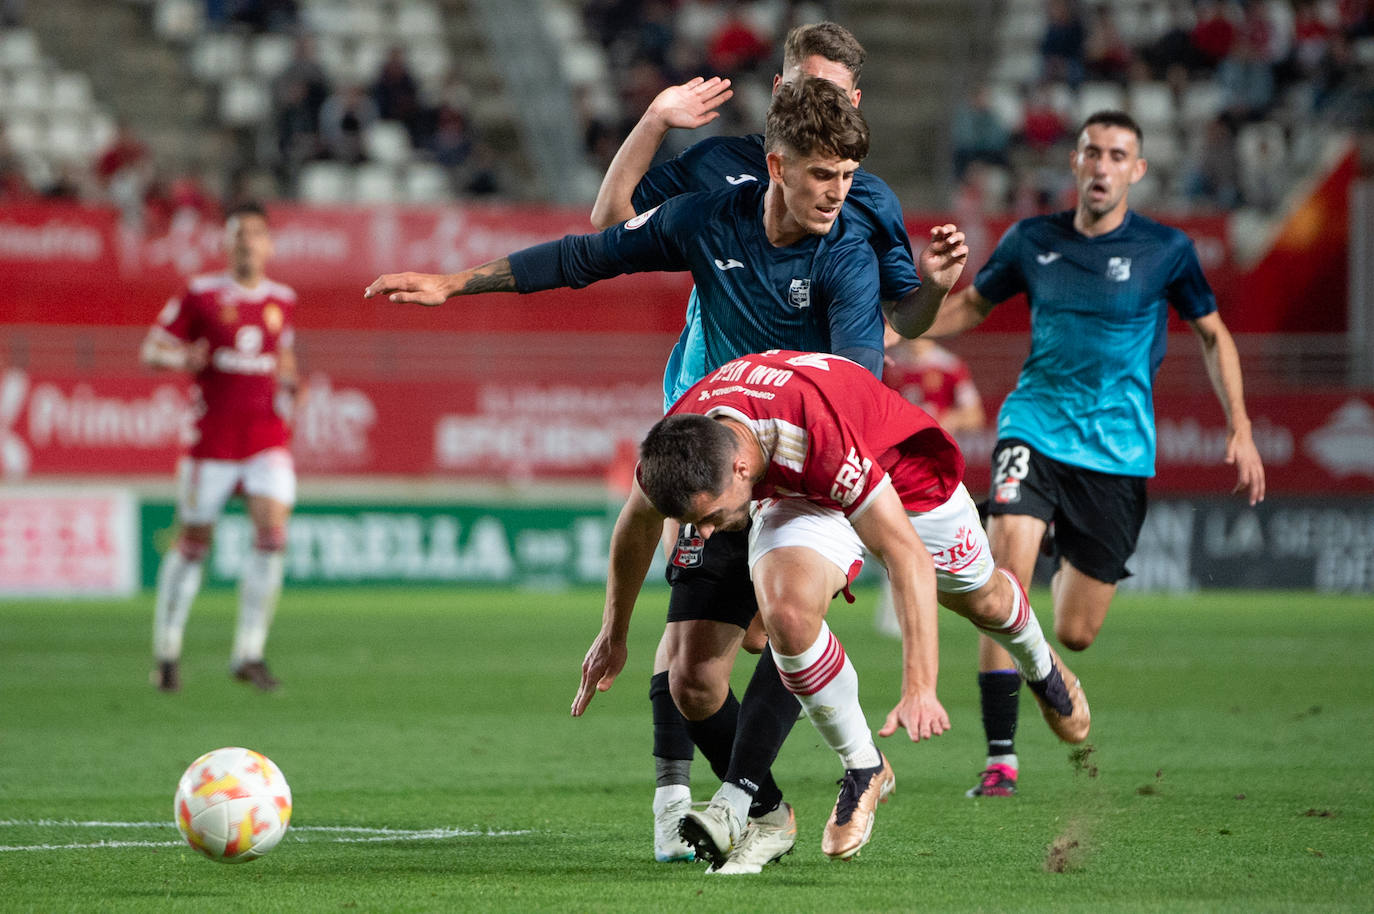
{"x":246,"y":208}
{"x":1114,"y":119}
{"x":811,"y":116}
{"x":682,"y":456}
{"x":830,"y":40}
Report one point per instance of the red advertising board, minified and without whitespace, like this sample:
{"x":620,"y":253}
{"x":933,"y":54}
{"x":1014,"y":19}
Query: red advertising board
{"x":533,"y":427}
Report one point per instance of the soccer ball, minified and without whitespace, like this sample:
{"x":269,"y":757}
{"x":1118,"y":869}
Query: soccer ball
{"x":233,"y":805}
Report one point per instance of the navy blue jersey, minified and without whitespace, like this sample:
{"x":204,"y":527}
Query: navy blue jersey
{"x":819,"y":294}
{"x":1099,"y":311}
{"x":871,"y":212}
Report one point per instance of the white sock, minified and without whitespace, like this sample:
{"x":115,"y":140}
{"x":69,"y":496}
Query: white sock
{"x":827,"y":686}
{"x":1009,"y":760}
{"x":1021,"y":635}
{"x":739,"y":800}
{"x":667,"y":796}
{"x":178,"y":582}
{"x":259,"y":585}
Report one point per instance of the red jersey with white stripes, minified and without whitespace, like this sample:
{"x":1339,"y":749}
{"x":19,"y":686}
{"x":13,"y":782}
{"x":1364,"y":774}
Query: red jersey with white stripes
{"x":246,"y":331}
{"x":830,"y":431}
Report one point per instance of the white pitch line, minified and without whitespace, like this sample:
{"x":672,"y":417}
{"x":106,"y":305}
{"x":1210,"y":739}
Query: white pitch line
{"x":346,"y":834}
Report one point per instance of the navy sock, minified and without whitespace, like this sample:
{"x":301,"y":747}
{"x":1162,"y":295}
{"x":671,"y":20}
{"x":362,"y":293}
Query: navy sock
{"x":766,"y":717}
{"x":716,"y":734}
{"x":1000,"y":691}
{"x":671,"y":739}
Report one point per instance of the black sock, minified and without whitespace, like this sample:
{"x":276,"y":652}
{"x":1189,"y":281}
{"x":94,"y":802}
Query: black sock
{"x":766,"y":717}
{"x":1001,"y":699}
{"x":672,"y":742}
{"x":716,"y":734}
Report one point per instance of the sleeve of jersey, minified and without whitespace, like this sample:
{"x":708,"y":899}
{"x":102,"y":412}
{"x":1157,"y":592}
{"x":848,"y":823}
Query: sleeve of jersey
{"x":1189,"y":292}
{"x":1001,"y":277}
{"x":850,"y":476}
{"x":896,"y":266}
{"x":853,"y":309}
{"x":642,"y":244}
{"x":177,"y":317}
{"x":663,"y":182}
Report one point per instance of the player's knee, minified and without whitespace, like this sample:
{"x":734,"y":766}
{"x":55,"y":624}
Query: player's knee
{"x":270,"y":539}
{"x":1074,"y":637}
{"x":695,"y":697}
{"x":194,"y":542}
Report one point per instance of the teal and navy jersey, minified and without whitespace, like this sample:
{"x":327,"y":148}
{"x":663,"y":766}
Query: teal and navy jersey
{"x":819,"y":294}
{"x":871,"y":212}
{"x":1099,"y":311}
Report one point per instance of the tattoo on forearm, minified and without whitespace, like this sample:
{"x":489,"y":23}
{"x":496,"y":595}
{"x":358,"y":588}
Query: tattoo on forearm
{"x":494,"y":276}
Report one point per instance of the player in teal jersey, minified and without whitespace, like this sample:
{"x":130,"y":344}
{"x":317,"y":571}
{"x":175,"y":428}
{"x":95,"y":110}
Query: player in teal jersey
{"x":1076,"y":437}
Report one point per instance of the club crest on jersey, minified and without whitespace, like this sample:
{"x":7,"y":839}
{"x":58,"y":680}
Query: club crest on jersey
{"x":687,"y":552}
{"x":799,"y":293}
{"x":1008,"y":491}
{"x":1119,"y":269}
{"x":272,"y":318}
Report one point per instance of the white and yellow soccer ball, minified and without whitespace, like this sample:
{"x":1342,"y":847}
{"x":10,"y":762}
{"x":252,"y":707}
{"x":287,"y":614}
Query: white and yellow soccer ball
{"x":233,"y":805}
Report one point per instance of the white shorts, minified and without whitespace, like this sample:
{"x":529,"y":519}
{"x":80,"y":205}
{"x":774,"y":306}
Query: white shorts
{"x":952,"y":533}
{"x":204,"y":487}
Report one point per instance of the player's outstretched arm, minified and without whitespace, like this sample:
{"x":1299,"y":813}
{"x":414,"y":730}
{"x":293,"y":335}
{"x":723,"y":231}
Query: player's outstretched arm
{"x":886,"y":531}
{"x":941,"y":263}
{"x":432,"y":289}
{"x":162,"y":350}
{"x":690,"y":105}
{"x":1223,"y":367}
{"x":633,"y":542}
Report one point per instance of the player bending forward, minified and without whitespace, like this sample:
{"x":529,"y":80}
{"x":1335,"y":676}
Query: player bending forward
{"x":825,"y":483}
{"x":233,"y":333}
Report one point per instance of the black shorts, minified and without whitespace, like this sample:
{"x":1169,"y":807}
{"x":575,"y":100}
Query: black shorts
{"x":1097,"y":516}
{"x":710,"y":578}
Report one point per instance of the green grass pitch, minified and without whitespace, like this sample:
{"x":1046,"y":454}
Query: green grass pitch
{"x":426,"y":736}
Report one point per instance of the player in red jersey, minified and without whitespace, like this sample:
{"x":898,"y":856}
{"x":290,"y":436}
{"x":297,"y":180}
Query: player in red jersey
{"x":232,"y":332}
{"x":832,"y":463}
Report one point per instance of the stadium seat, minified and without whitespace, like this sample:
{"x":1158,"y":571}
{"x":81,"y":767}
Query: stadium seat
{"x":429,"y":62}
{"x":387,"y":142}
{"x":367,"y":58}
{"x":1099,"y":96}
{"x":178,"y":21}
{"x":68,"y":139}
{"x":375,"y":183}
{"x":1021,"y":65}
{"x":271,"y":54}
{"x":418,"y":19}
{"x":31,"y":90}
{"x":19,"y":50}
{"x":216,"y":56}
{"x":1152,"y":105}
{"x":325,"y":182}
{"x":24,"y":133}
{"x":243,"y":101}
{"x":1202,"y":101}
{"x":1162,"y":148}
{"x":1008,"y":104}
{"x":71,"y":91}
{"x":426,"y":182}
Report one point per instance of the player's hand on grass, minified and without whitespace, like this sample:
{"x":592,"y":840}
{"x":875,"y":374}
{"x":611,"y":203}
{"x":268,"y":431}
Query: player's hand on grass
{"x":1244,"y":456}
{"x":920,"y":713}
{"x":604,"y":661}
{"x":942,"y":261}
{"x":410,"y":288}
{"x":691,"y":104}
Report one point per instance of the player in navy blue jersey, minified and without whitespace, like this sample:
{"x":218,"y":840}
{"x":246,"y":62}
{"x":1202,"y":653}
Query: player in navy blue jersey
{"x":710,"y":575}
{"x":767,"y":260}
{"x":1076,"y":438}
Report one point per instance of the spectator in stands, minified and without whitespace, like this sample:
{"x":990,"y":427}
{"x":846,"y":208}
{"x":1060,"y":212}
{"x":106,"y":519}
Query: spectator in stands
{"x":452,"y":140}
{"x":1174,"y":45}
{"x":1042,"y":124}
{"x":977,"y":134}
{"x":263,"y":15}
{"x":1311,"y":39}
{"x":737,"y":47}
{"x":11,"y":14}
{"x":344,"y":118}
{"x":297,"y":97}
{"x":1213,"y":172}
{"x":1061,"y":47}
{"x":396,"y":95}
{"x":1246,"y":74}
{"x":1214,"y":34}
{"x":124,"y":170}
{"x":1106,"y":55}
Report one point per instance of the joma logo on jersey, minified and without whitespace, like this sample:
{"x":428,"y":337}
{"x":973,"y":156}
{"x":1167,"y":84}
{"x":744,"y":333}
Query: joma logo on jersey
{"x":1119,"y":269}
{"x":799,"y":293}
{"x":851,"y":480}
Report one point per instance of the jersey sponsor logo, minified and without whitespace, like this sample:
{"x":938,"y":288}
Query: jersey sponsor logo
{"x":737,"y":180}
{"x":1119,"y":269}
{"x":639,"y":220}
{"x":687,"y":552}
{"x":248,"y":339}
{"x":852,"y":478}
{"x":1047,"y":258}
{"x":730,"y":264}
{"x":967,"y":549}
{"x":799,"y":293}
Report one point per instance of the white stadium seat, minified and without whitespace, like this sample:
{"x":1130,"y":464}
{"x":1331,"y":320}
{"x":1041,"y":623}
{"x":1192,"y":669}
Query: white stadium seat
{"x":426,"y":182}
{"x":375,"y":183}
{"x":71,"y":91}
{"x":216,"y":56}
{"x":244,"y":101}
{"x":387,"y":142}
{"x":271,"y":54}
{"x":325,"y":182}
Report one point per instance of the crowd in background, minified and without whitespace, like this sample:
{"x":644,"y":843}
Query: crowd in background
{"x":1270,"y":61}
